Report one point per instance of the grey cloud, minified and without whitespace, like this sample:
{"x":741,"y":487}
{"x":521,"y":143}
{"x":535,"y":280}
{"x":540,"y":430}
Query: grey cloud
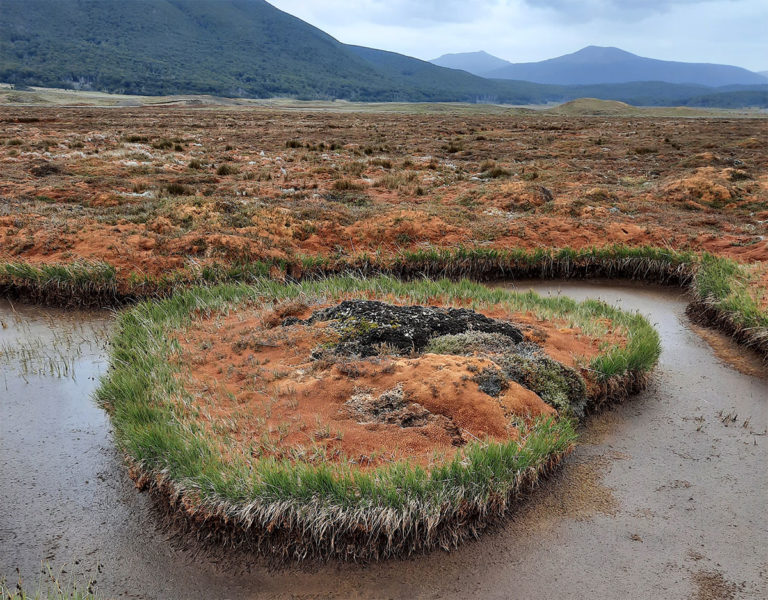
{"x":590,"y":10}
{"x":723,"y":31}
{"x":429,"y":12}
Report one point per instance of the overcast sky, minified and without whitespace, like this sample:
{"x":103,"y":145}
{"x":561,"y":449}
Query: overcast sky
{"x":720,"y":31}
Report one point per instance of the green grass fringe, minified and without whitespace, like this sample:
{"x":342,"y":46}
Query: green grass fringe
{"x":719,"y":286}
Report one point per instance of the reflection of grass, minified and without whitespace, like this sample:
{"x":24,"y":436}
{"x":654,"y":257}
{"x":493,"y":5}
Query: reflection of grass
{"x":50,"y":586}
{"x":304,"y":509}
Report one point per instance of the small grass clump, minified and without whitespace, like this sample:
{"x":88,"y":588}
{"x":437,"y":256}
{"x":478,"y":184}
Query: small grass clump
{"x":49,"y":586}
{"x":395,"y":181}
{"x":491,"y":170}
{"x":178,"y":189}
{"x":226,"y":169}
{"x":346,"y":185}
{"x":300,"y":510}
{"x":162,"y":144}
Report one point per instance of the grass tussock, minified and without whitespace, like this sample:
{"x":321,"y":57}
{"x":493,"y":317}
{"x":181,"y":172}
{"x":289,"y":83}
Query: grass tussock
{"x":226,"y":169}
{"x":299,"y":510}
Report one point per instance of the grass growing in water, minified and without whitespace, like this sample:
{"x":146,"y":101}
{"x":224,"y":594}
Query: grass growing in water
{"x":50,"y":586}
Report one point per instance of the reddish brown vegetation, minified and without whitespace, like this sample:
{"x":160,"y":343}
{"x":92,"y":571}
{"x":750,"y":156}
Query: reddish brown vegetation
{"x":155,"y":189}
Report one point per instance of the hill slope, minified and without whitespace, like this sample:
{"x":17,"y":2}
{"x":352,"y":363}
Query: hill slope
{"x":595,"y":65}
{"x":231,"y":47}
{"x":477,"y":63}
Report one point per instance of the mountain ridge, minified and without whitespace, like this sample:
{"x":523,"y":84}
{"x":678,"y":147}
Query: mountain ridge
{"x":605,"y":64}
{"x":602,"y":64}
{"x":249,"y":48}
{"x":477,"y":63}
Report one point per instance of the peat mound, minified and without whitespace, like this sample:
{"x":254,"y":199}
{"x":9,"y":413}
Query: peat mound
{"x":368,"y":382}
{"x":356,"y":419}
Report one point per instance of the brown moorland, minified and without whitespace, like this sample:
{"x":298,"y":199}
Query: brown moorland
{"x":155,"y":189}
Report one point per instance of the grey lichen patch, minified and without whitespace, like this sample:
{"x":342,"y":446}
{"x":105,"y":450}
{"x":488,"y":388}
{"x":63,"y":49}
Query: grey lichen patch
{"x":393,"y":407}
{"x":471,"y":342}
{"x":559,"y":386}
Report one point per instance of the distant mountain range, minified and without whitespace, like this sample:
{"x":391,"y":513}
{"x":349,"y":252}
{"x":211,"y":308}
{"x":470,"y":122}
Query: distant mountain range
{"x":478,"y":63}
{"x":595,"y":65}
{"x":248,"y":48}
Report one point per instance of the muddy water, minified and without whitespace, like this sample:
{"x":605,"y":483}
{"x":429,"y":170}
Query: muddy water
{"x":665,"y":496}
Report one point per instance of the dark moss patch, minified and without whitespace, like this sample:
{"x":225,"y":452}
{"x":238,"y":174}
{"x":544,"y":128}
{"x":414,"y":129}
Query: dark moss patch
{"x":44,"y":169}
{"x":365,"y":326}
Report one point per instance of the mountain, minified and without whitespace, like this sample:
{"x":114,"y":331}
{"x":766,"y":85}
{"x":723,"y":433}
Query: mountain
{"x":233,"y":47}
{"x":595,"y":64}
{"x":477,"y":63}
{"x":222,"y":47}
{"x":248,"y":48}
{"x":422,"y":80}
{"x":236,"y":48}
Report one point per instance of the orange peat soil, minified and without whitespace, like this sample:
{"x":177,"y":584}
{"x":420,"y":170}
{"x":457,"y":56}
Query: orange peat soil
{"x":152,"y":190}
{"x":255,"y":382}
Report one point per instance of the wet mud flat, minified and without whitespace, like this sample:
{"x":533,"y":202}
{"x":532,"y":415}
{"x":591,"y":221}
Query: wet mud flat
{"x":664,"y":497}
